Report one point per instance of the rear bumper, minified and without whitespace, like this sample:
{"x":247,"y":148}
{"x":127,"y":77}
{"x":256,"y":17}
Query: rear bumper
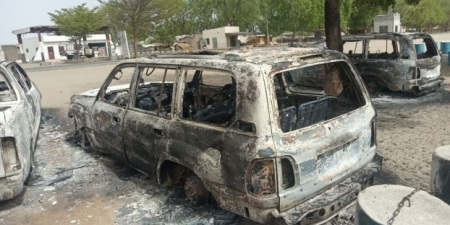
{"x":11,"y":186}
{"x":316,"y":210}
{"x":422,"y":85}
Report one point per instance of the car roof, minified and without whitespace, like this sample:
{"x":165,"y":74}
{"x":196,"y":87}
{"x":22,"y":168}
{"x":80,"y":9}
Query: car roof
{"x":259,"y":55}
{"x":383,"y":35}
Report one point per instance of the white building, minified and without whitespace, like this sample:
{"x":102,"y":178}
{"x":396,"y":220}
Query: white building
{"x":54,"y":46}
{"x":387,"y":23}
{"x":222,"y":37}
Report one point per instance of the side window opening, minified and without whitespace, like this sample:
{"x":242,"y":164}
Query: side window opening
{"x":154,"y":90}
{"x":425,"y":48}
{"x":117,"y":91}
{"x":383,"y":49}
{"x":6,"y":92}
{"x":23,"y":75}
{"x":310,"y":95}
{"x":354,"y":49}
{"x":210,"y":97}
{"x":20,"y":79}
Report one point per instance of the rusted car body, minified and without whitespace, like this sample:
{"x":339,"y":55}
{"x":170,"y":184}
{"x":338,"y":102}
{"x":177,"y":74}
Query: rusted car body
{"x":273,"y":134}
{"x":19,"y":127}
{"x":408,"y":62}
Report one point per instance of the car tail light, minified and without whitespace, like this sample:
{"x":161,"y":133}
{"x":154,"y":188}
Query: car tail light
{"x":413,"y":73}
{"x":262,"y":177}
{"x":9,"y":154}
{"x":288,"y":176}
{"x":373,"y":137}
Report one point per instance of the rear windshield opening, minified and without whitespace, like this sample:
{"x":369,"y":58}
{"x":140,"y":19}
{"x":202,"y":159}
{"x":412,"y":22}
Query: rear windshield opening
{"x":425,"y":48}
{"x":310,"y":95}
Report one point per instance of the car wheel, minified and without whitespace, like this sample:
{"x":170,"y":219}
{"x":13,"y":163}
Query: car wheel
{"x":195,"y":191}
{"x":84,"y":140}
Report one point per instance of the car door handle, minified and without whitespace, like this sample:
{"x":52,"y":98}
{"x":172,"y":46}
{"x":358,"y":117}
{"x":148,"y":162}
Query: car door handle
{"x":116,"y":119}
{"x":158,"y":132}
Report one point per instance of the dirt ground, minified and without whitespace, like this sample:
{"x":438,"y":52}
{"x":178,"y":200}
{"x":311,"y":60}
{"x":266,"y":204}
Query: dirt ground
{"x":70,"y":185}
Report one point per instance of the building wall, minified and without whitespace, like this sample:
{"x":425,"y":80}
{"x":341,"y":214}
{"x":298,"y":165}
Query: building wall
{"x":218,"y":34}
{"x":10,"y":52}
{"x":30,"y":47}
{"x":390,"y":20}
{"x":55,"y":41}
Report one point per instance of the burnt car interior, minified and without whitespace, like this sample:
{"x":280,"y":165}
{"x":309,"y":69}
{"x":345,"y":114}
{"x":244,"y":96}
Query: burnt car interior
{"x":210,"y":97}
{"x":154,"y":90}
{"x":306,"y":97}
{"x":118,"y":89}
{"x":6,"y":93}
{"x":383,"y":49}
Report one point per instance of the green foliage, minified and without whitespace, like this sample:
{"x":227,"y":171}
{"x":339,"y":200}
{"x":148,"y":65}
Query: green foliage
{"x":138,"y":17}
{"x":78,"y":21}
{"x":425,"y":14}
{"x":363,"y":12}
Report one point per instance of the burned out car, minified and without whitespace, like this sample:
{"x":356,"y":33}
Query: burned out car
{"x":280,"y":135}
{"x":20,"y":102}
{"x":407,"y":62}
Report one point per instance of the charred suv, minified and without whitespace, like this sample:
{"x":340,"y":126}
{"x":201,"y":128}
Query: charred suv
{"x":408,"y":62}
{"x":20,"y":118}
{"x":281,"y":135}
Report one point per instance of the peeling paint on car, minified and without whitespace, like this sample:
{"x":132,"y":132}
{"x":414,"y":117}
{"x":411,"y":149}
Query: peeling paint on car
{"x":398,"y":66}
{"x":20,"y":119}
{"x":230,"y":134}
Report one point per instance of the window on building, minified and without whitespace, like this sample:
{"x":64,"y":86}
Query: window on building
{"x":26,"y":50}
{"x":396,"y":28}
{"x":207,"y":41}
{"x":383,"y":29}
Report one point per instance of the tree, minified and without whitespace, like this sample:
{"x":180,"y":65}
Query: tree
{"x":332,"y":25}
{"x":77,"y":22}
{"x":361,"y":10}
{"x":424,"y":14}
{"x":138,"y":17}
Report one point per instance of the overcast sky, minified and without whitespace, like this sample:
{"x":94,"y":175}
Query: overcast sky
{"x":17,"y":14}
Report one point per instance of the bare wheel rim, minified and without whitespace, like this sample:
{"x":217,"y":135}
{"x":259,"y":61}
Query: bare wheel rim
{"x":195,"y":191}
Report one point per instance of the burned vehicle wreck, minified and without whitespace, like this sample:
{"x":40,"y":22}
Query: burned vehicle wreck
{"x":407,"y":62}
{"x":276,"y":135}
{"x":20,"y":102}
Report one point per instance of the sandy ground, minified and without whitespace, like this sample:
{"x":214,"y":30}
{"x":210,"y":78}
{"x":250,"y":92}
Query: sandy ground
{"x":74,"y":186}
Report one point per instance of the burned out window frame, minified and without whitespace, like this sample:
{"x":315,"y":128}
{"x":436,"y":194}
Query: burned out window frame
{"x":12,"y":87}
{"x":102,"y":92}
{"x":182,"y":86}
{"x":397,"y":48}
{"x":356,"y":79}
{"x":136,"y":81}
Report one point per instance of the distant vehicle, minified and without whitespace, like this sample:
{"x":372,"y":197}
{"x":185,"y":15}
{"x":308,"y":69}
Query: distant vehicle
{"x":282,"y":135}
{"x":407,"y":62}
{"x":20,"y":109}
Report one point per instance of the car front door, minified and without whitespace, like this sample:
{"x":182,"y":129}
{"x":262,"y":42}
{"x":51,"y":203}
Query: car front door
{"x":149,"y":117}
{"x":109,"y":110}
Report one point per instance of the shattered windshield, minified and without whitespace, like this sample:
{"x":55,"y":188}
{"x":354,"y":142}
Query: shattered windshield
{"x":310,"y":95}
{"x":6,"y":92}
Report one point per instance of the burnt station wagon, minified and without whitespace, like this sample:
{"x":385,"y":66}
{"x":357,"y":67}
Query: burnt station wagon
{"x":407,"y":62}
{"x":20,"y":118}
{"x":281,"y":135}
